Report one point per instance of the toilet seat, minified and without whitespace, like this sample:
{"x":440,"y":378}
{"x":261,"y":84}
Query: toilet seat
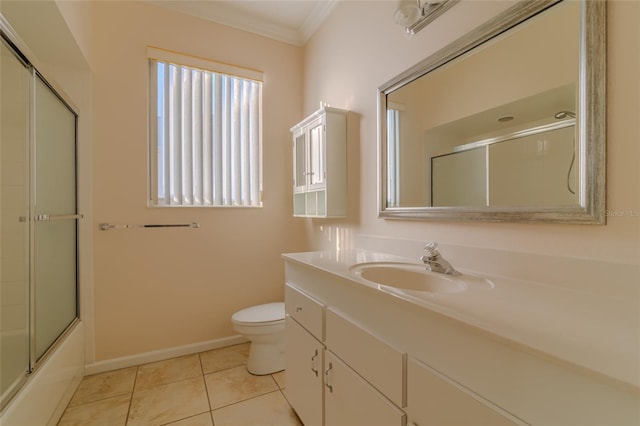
{"x":260,"y":314}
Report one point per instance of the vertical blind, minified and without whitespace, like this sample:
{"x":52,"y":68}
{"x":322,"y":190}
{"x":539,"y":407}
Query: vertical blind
{"x":205,"y":137}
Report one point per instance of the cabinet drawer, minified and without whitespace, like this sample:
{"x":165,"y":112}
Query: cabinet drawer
{"x":434,"y":399}
{"x":351,"y":401}
{"x":305,"y":309}
{"x":378,"y":362}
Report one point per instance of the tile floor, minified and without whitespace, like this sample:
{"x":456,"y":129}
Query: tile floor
{"x":205,"y":389}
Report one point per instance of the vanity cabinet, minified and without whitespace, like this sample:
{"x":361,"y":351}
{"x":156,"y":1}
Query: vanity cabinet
{"x":432,"y":365}
{"x":320,"y":164}
{"x":342,"y":379}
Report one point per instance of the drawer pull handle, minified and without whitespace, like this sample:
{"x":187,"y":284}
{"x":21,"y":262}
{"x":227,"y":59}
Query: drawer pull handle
{"x":298,"y":308}
{"x":313,"y":363}
{"x":327,"y":382}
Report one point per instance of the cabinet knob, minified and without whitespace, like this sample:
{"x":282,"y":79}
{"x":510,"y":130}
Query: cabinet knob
{"x":298,"y":308}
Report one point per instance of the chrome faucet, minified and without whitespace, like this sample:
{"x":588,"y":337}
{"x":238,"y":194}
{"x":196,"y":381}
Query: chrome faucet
{"x":434,"y":260}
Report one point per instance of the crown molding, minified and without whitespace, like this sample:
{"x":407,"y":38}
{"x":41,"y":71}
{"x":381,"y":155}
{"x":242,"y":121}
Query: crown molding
{"x":223,"y":14}
{"x":320,"y":12}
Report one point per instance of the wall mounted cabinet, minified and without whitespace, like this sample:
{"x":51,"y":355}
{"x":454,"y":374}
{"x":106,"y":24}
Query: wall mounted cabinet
{"x":320,"y":164}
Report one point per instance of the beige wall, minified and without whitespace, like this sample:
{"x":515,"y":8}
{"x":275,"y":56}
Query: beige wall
{"x":161,"y":288}
{"x":157,"y":289}
{"x":360,"y":48}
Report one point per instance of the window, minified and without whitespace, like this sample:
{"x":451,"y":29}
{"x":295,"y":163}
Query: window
{"x":393,"y":156}
{"x":205,"y":132}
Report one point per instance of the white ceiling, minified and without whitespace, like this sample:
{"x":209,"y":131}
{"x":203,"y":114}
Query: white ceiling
{"x":291,"y":21}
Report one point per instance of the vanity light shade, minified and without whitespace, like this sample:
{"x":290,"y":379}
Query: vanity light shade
{"x":415,"y":15}
{"x":407,"y":13}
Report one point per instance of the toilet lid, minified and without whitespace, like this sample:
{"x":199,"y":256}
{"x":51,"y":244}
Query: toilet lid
{"x":261,"y":313}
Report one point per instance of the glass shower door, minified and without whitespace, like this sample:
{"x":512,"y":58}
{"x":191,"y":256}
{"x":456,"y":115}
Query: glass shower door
{"x":55,"y":226}
{"x":14,"y":227}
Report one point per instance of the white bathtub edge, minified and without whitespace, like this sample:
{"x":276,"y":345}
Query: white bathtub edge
{"x":36,"y":403}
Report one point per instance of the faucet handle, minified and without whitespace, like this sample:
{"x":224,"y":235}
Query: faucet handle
{"x":431,"y":247}
{"x":430,"y":252}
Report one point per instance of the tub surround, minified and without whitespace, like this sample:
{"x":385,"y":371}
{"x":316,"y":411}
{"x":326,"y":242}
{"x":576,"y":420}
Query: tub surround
{"x":558,"y":344}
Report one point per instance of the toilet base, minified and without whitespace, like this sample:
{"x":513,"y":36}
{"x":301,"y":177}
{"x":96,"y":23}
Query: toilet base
{"x":265,"y":358}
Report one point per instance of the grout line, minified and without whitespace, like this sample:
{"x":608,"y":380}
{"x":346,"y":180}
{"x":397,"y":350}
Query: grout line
{"x":206,"y":388}
{"x":102,"y":398}
{"x":135,"y":379}
{"x":246,"y":399}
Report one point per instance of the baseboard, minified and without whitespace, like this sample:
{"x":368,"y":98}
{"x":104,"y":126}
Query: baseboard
{"x":159,"y":355}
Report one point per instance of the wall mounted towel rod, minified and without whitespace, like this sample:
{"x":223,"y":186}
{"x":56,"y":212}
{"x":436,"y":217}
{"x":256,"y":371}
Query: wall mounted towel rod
{"x":107,"y":226}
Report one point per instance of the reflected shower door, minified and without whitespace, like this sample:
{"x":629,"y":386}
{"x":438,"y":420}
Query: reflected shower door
{"x":14,"y":227}
{"x":55,"y":273}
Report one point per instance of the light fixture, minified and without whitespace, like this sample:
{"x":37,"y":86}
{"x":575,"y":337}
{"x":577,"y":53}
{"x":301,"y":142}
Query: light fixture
{"x":505,"y":118}
{"x":414,"y":15}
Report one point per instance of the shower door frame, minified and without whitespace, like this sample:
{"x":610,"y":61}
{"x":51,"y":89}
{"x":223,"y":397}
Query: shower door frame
{"x":24,"y":54}
{"x":34,"y":360}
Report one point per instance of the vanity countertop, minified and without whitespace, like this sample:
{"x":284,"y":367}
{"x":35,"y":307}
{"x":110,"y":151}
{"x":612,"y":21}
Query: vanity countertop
{"x":599,"y":333}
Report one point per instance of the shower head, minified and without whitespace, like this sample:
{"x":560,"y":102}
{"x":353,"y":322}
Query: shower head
{"x":564,"y":114}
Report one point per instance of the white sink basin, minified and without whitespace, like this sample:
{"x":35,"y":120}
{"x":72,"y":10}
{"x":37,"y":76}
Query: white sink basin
{"x":416,"y":278}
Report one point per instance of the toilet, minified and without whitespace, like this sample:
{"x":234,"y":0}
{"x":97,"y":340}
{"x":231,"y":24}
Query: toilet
{"x":263,"y":325}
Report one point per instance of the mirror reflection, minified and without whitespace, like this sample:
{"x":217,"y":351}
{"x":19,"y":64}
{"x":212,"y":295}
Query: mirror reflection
{"x":498,"y":127}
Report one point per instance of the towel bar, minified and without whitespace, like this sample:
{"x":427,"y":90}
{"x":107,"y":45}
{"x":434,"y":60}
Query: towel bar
{"x":107,"y":226}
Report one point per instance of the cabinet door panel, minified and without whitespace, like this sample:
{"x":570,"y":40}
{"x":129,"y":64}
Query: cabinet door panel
{"x":351,"y":401}
{"x":299,"y":162}
{"x":316,"y":155}
{"x":378,"y":362}
{"x":304,"y":360}
{"x":433,"y":399}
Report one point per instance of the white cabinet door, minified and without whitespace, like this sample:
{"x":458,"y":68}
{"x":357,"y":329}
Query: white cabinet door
{"x":433,"y":399}
{"x":317,"y":156}
{"x":300,"y":162}
{"x":309,"y":156}
{"x":304,"y":374}
{"x":351,"y":401}
{"x":376,"y":361}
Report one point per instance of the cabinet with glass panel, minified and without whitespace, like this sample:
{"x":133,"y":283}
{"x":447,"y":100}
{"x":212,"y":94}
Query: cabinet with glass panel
{"x":320,"y":164}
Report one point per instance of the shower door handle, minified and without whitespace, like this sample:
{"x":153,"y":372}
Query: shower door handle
{"x":50,"y":217}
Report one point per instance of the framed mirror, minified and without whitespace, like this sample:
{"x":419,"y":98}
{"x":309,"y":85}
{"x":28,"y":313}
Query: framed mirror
{"x":505,"y":124}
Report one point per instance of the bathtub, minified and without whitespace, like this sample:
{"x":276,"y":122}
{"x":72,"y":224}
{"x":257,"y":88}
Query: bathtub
{"x":49,"y":389}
